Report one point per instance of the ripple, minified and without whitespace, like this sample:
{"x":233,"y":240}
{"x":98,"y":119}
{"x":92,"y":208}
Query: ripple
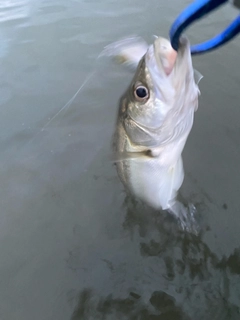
{"x":14,"y":9}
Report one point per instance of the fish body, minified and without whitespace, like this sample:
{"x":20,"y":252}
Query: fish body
{"x":155,"y":117}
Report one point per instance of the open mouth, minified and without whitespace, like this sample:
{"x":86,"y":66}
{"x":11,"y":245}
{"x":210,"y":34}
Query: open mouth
{"x":164,"y":54}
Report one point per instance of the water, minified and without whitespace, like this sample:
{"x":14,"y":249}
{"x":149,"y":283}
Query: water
{"x":72,"y":245}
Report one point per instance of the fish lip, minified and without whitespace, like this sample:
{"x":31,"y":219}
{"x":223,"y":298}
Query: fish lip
{"x":156,"y":57}
{"x":154,"y":66}
{"x":151,"y":59}
{"x":156,"y":72}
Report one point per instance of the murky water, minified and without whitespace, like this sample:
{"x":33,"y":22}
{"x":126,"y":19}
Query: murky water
{"x":72,"y":246}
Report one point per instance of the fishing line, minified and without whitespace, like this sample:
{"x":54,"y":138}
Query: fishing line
{"x":71,"y":100}
{"x":67,"y":105}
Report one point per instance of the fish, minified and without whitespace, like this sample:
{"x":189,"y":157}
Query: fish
{"x":154,"y":119}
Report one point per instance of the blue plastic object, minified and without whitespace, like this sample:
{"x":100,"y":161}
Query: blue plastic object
{"x":195,"y":11}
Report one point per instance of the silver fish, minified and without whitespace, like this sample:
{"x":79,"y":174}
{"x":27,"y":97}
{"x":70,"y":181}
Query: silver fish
{"x":154,"y":120}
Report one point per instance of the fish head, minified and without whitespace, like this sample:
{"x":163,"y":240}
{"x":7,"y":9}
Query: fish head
{"x":162,"y":91}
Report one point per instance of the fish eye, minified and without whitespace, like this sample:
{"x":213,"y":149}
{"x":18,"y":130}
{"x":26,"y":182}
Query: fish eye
{"x":141,"y":93}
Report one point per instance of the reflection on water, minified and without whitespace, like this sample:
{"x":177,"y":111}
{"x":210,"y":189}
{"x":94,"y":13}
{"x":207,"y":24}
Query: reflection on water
{"x":197,"y":284}
{"x":11,"y":10}
{"x":72,"y":246}
{"x":161,"y":306}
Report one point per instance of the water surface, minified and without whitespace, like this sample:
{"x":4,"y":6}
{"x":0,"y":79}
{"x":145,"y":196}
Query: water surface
{"x":73,"y":246}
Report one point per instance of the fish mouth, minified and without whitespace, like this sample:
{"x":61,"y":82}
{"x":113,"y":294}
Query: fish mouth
{"x":164,"y":55}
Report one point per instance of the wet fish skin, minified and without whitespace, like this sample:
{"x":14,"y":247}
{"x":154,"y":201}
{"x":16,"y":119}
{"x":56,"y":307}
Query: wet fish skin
{"x":151,"y":132}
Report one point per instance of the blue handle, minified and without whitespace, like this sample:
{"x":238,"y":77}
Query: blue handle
{"x":195,"y":11}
